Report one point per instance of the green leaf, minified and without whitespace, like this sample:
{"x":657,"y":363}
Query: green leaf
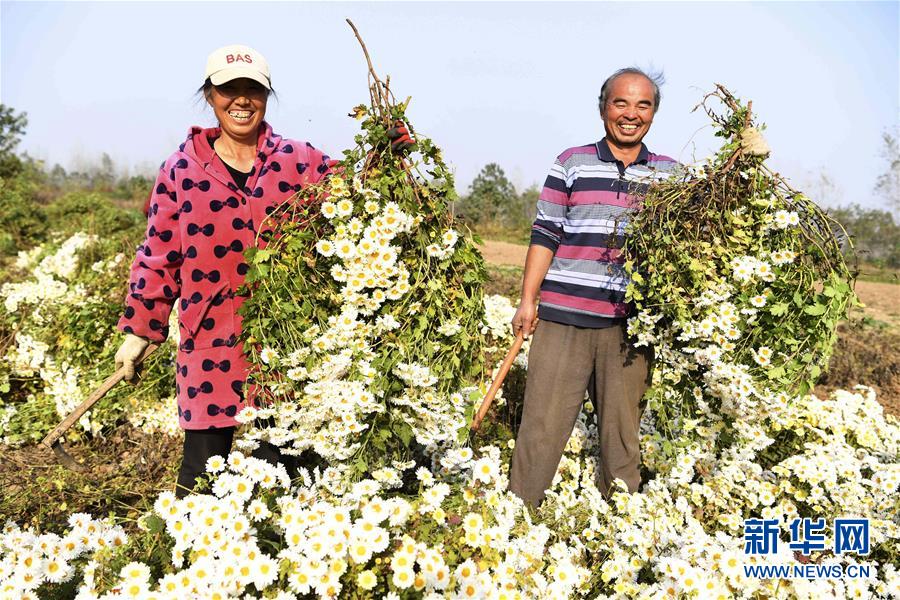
{"x":779,"y":309}
{"x":815,"y":310}
{"x":404,"y":432}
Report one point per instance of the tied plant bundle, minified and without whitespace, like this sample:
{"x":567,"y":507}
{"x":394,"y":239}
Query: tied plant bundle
{"x":366,"y":308}
{"x":739,"y":282}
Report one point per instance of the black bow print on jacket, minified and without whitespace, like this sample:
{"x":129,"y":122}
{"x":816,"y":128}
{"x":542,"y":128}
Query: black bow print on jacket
{"x":186,"y":207}
{"x":273,"y":166}
{"x":217,"y":205}
{"x":205,"y":388}
{"x":213,"y":410}
{"x":211,"y":365}
{"x":164,"y":235}
{"x":198,"y":275}
{"x":196,"y":298}
{"x":207,"y":230}
{"x":235,"y":246}
{"x":284,"y":186}
{"x":188,"y":184}
{"x":220,"y":298}
{"x":239,"y":224}
{"x":228,"y":342}
{"x":161,"y":189}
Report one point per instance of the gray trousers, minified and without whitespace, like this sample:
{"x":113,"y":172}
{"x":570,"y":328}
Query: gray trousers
{"x":563,"y":362}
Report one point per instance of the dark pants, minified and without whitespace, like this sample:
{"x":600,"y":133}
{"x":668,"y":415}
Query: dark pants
{"x":201,"y":444}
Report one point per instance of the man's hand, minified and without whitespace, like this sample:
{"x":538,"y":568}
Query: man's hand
{"x":753,"y":143}
{"x":128,"y":353}
{"x":525,"y":319}
{"x":401,"y":140}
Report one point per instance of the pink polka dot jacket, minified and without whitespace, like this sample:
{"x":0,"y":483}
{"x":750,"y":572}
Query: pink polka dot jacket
{"x":198,"y":226}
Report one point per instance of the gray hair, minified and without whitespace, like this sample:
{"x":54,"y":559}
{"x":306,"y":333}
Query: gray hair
{"x":655,"y":77}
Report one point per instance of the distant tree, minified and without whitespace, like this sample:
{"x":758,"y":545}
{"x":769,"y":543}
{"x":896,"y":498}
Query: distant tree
{"x":875,"y":235}
{"x":887,"y":184}
{"x":528,"y":204}
{"x":103,"y":176}
{"x":12,"y":126}
{"x":491,"y":199}
{"x":57,"y":176}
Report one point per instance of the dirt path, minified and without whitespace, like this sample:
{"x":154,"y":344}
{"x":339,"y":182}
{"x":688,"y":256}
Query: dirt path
{"x":504,"y":253}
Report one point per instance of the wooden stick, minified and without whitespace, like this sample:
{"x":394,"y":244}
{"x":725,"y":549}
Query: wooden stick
{"x":97,"y":394}
{"x":498,"y":381}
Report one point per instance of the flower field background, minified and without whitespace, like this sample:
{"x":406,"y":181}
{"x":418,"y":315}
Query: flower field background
{"x":378,"y":371}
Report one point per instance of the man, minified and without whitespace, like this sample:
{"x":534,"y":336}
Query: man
{"x":575,"y":260}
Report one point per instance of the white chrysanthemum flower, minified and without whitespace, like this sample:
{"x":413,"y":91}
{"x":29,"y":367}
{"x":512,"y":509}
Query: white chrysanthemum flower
{"x":344,"y":248}
{"x":215,"y":464}
{"x":329,"y":210}
{"x":367,"y":579}
{"x":344,"y":207}
{"x":763,"y":356}
{"x":325,"y":247}
{"x":268,"y":355}
{"x":783,"y":257}
{"x":450,"y":328}
{"x":449,"y":238}
{"x":785,"y":219}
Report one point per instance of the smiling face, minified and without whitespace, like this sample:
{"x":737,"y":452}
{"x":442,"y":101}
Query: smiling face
{"x":628,"y":111}
{"x":240,"y":107}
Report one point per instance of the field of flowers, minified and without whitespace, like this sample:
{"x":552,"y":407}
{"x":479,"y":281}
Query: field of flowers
{"x":373,"y":339}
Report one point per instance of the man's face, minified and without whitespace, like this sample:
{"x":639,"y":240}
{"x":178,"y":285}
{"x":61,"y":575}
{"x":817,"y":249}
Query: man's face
{"x":629,"y":110}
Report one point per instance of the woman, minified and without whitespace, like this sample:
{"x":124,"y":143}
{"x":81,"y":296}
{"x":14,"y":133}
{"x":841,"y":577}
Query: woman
{"x":210,"y":197}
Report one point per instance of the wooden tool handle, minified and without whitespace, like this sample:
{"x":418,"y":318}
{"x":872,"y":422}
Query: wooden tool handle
{"x":97,"y":394}
{"x":498,"y":381}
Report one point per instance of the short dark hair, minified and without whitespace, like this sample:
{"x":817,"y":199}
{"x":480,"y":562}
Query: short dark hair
{"x":655,"y":77}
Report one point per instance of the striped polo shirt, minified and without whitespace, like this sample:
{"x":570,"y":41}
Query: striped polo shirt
{"x":581,"y":216}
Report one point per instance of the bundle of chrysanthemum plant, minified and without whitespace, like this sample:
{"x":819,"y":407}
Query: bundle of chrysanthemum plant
{"x":739,"y":282}
{"x":366,"y":307}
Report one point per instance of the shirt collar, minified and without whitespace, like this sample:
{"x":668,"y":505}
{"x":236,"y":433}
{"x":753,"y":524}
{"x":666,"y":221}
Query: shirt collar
{"x":606,"y":155}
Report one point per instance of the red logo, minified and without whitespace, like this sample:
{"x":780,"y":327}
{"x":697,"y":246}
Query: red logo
{"x":230,"y":58}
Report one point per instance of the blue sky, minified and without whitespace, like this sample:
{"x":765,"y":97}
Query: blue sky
{"x":512,"y":83}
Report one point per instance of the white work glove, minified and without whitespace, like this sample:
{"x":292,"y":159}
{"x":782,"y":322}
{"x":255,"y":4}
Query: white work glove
{"x":128,"y":353}
{"x":753,"y":143}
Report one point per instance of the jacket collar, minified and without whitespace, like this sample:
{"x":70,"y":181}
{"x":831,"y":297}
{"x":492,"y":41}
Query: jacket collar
{"x":197,"y":146}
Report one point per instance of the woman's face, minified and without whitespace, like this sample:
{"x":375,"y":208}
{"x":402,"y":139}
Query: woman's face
{"x":240,"y":107}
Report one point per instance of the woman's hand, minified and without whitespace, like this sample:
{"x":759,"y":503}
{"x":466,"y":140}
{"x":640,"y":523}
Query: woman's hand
{"x":128,"y":353}
{"x":401,"y":139}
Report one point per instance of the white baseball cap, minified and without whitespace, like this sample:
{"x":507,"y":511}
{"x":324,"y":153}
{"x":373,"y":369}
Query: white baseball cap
{"x":233,"y":62}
